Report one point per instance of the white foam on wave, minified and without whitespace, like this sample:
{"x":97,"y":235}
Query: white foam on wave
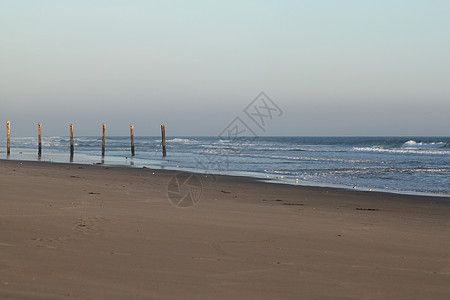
{"x":421,"y":145}
{"x":176,"y":140}
{"x":307,"y":158}
{"x":180,"y":140}
{"x":401,"y":150}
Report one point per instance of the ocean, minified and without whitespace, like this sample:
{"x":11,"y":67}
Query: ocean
{"x":410,"y":165}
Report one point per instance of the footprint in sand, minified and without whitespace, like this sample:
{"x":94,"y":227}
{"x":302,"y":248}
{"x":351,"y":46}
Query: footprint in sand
{"x":83,"y":228}
{"x":88,"y":225}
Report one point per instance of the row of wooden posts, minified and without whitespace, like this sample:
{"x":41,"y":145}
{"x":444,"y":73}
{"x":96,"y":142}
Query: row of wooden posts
{"x":72,"y":148}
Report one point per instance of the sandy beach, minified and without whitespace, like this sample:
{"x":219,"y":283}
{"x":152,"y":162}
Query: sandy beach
{"x":72,"y":231}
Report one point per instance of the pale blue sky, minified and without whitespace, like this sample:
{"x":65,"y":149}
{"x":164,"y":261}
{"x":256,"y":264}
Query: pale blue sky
{"x":335,"y":67}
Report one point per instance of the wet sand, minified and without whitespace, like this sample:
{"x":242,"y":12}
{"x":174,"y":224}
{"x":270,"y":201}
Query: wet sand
{"x":72,"y":231}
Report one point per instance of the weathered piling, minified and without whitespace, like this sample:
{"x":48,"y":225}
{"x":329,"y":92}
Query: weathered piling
{"x":72,"y":148}
{"x":132,"y":139}
{"x":103,"y":139}
{"x":8,"y":137}
{"x":39,"y":139}
{"x":71,"y":141}
{"x":163,"y":137}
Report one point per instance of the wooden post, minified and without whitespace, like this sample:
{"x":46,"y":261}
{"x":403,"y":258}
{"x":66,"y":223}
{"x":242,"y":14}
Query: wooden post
{"x":163,"y":136}
{"x":132,"y":139}
{"x":71,"y":140}
{"x":39,"y":140}
{"x":8,"y":137}
{"x":103,"y":139}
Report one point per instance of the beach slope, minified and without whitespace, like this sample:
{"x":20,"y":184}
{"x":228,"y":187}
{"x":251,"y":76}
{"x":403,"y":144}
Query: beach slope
{"x":72,"y":231}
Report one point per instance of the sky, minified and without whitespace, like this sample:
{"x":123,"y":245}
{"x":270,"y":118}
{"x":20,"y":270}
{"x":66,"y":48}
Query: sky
{"x":345,"y":68}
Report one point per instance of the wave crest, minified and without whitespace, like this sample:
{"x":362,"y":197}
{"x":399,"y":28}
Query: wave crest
{"x":411,"y":144}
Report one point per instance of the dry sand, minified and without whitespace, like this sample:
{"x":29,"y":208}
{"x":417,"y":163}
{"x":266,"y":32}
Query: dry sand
{"x":90,"y":232}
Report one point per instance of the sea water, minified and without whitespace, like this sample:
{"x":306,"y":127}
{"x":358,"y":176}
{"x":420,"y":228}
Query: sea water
{"x":397,"y":164}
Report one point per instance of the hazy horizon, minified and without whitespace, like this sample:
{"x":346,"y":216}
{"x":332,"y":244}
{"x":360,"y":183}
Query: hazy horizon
{"x":347,"y":68}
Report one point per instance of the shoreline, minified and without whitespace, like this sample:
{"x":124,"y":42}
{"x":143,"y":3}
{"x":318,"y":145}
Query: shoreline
{"x":272,"y":180}
{"x":342,"y":194}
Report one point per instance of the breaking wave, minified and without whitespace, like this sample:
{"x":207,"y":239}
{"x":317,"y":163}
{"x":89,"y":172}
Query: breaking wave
{"x":421,"y":145}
